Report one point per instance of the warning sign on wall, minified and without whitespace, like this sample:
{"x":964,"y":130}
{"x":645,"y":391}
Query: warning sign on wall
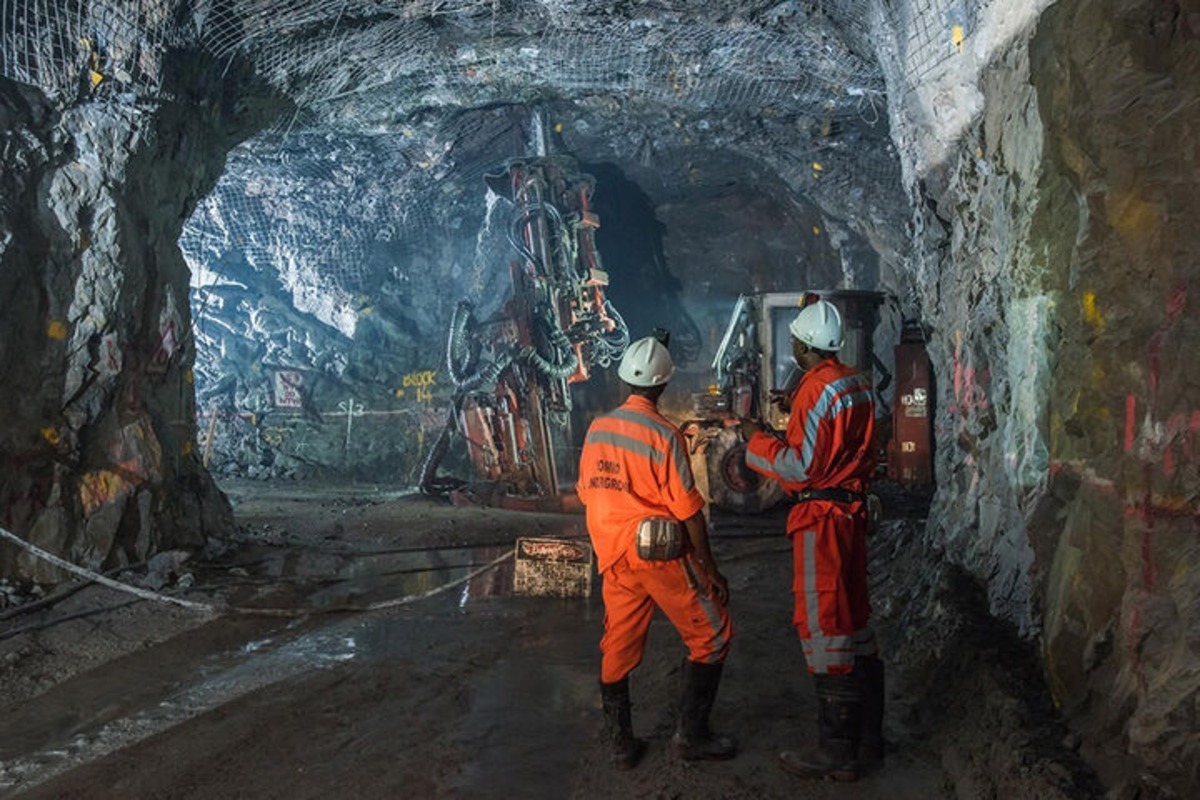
{"x":288,"y":386}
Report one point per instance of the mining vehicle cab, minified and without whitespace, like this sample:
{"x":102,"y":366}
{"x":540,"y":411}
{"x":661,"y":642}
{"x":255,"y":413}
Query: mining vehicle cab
{"x":753,"y":360}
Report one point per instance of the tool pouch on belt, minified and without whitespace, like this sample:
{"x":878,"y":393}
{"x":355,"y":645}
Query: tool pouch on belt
{"x":659,"y":539}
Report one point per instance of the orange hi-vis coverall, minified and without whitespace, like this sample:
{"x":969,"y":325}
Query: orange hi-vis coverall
{"x":634,"y":465}
{"x":830,"y":444}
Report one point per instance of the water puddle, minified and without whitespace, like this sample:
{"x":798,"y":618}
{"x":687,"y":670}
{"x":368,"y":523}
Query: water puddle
{"x":132,"y":699}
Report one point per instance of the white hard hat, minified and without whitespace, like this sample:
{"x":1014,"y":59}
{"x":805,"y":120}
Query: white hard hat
{"x":646,"y":363}
{"x":819,"y":326}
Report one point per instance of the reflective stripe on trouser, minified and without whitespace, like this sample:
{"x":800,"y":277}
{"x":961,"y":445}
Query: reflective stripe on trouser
{"x":630,"y":596}
{"x":831,"y":614}
{"x":836,"y":654}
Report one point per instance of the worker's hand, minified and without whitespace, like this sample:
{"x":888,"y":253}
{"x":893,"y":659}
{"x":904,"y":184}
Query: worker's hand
{"x":781,"y":400}
{"x":749,"y":428}
{"x":714,"y":582}
{"x":718,"y":587}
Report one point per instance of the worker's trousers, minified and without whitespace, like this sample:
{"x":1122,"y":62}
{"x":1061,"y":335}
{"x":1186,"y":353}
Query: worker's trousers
{"x":676,"y":587}
{"x":829,"y":556}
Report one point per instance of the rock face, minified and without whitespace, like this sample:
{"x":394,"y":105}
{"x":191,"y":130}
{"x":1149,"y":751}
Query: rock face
{"x":98,"y":457}
{"x":1056,"y":278}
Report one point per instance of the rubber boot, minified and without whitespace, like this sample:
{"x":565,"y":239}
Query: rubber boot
{"x":839,"y":728}
{"x":625,"y":750}
{"x":693,"y":740}
{"x":872,"y":748}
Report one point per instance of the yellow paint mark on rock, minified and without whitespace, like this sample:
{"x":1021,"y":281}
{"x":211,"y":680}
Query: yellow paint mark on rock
{"x":189,"y":376}
{"x":558,"y":127}
{"x":817,"y":167}
{"x":95,"y":77}
{"x":957,"y":36}
{"x":816,"y":231}
{"x":51,"y":435}
{"x":1072,"y":155}
{"x":100,"y":488}
{"x":1132,"y":215}
{"x":56,"y":330}
{"x":1091,"y":313}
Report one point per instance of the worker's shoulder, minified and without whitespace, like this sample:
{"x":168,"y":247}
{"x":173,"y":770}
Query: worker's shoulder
{"x":645,"y":417}
{"x":832,"y":371}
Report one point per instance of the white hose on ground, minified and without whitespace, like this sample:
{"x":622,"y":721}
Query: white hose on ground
{"x":145,"y":594}
{"x":210,"y":608}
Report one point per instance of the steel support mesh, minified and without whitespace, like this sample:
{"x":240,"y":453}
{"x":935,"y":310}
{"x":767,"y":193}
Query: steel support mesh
{"x":785,"y":85}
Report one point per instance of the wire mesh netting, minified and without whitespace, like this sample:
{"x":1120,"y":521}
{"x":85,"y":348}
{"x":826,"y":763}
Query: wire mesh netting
{"x":383,"y":91}
{"x":68,"y":48}
{"x":388,"y":57}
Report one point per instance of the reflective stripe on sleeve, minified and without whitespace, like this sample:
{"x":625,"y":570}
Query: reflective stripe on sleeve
{"x":794,"y":468}
{"x":755,"y":460}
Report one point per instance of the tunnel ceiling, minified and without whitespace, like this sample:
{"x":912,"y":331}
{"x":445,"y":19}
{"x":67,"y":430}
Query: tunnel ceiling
{"x":369,"y":178}
{"x":397,"y":88}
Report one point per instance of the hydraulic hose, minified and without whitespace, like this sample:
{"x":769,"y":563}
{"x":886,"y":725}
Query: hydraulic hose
{"x":551,"y":370}
{"x":521,"y":218}
{"x":487,"y":377}
{"x":459,"y":360}
{"x":430,"y":483}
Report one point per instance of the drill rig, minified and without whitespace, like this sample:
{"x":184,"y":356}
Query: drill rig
{"x":512,"y":373}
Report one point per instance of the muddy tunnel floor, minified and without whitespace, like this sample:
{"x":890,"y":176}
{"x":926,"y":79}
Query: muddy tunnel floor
{"x":474,"y":692}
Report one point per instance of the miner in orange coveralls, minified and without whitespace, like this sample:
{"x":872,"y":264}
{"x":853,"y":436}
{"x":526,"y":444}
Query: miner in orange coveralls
{"x":636,"y":482}
{"x":824,"y":463}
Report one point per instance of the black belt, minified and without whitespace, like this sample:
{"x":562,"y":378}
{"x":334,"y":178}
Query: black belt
{"x":836,"y":495}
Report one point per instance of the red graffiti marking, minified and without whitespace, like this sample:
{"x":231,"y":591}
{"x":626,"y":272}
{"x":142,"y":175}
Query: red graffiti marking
{"x":1176,"y":430}
{"x":970,"y":388}
{"x":1180,"y":426}
{"x":1176,"y":303}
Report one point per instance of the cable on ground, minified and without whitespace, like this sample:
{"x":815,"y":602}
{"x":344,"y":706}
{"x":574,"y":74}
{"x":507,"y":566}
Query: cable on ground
{"x":215,"y":609}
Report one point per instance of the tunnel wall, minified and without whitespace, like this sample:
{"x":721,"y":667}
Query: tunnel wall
{"x":1053,"y":176}
{"x":98,"y":457}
